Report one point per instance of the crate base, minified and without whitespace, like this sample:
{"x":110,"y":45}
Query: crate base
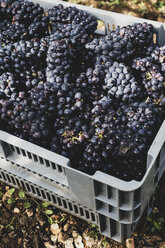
{"x":34,"y":186}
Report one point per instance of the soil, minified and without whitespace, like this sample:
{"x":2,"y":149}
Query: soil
{"x":24,"y":224}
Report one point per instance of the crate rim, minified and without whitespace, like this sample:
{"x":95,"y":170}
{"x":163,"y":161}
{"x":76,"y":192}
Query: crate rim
{"x":98,"y":11}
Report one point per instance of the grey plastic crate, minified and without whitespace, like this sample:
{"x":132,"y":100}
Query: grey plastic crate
{"x":113,"y":204}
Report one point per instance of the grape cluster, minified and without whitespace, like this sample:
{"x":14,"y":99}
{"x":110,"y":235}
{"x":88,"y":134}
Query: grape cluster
{"x":71,"y":135}
{"x":142,"y":64}
{"x":32,"y":78}
{"x":8,"y":83}
{"x":6,"y":107}
{"x":113,"y":45}
{"x":22,"y":55}
{"x":43,"y":98}
{"x":61,"y":72}
{"x":71,"y":23}
{"x":13,"y":33}
{"x":152,"y":77}
{"x":22,"y":20}
{"x":153,"y":82}
{"x":91,"y":82}
{"x":121,"y":84}
{"x":123,"y":131}
{"x":5,"y":10}
{"x":97,"y":101}
{"x":59,"y":61}
{"x":76,"y":27}
{"x":140,"y":34}
{"x":26,"y":121}
{"x":25,"y":12}
{"x":158,"y":54}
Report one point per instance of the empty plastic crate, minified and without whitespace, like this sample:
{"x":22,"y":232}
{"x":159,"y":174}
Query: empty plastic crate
{"x":114,"y":205}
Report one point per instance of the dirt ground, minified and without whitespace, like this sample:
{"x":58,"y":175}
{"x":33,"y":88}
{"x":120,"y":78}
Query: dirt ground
{"x":29,"y":223}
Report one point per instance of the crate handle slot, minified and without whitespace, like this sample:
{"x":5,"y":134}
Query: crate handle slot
{"x":5,"y":150}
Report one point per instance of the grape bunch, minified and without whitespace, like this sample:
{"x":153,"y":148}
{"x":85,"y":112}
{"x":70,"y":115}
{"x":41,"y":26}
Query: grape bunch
{"x":158,"y":54}
{"x":152,"y":77}
{"x":61,"y":73}
{"x":6,"y":110}
{"x":143,"y":64}
{"x":12,"y":33}
{"x":91,"y":82}
{"x":25,"y":12}
{"x":32,"y":78}
{"x":153,"y":82}
{"x":113,"y":45}
{"x":121,"y":84}
{"x":43,"y":98}
{"x":26,"y":121}
{"x":70,"y":136}
{"x":140,"y":34}
{"x":5,"y":11}
{"x":59,"y":61}
{"x":97,"y":100}
{"x":22,"y":20}
{"x":121,"y":131}
{"x":22,"y":56}
{"x":72,"y":24}
{"x":9,"y":83}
